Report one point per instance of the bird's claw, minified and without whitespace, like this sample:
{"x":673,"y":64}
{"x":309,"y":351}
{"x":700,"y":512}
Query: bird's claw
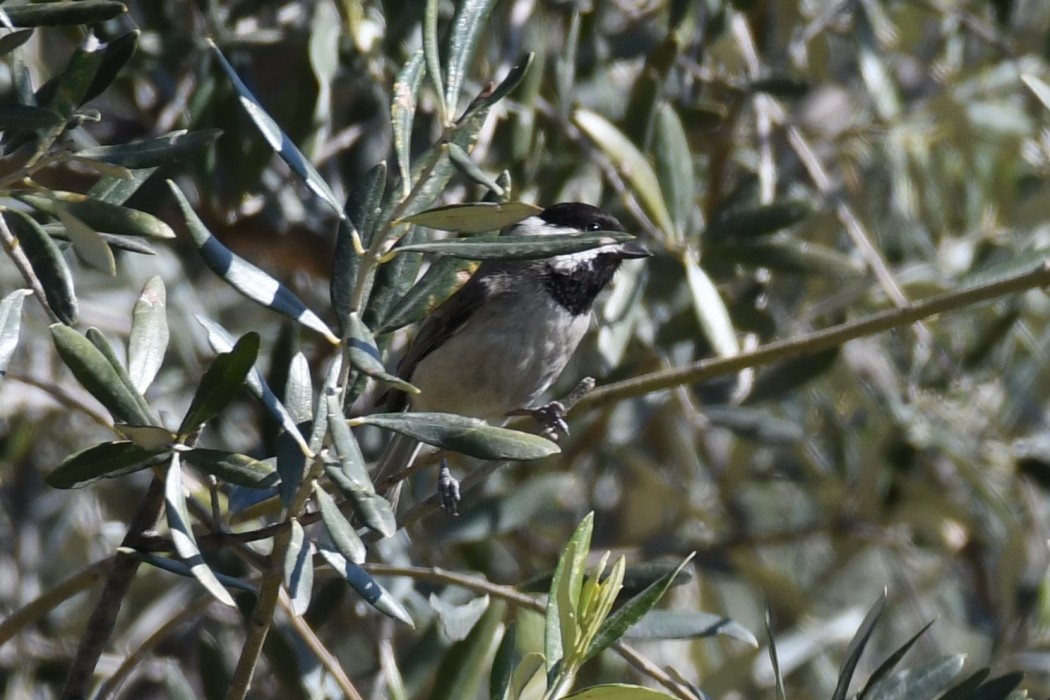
{"x":448,"y":490}
{"x":551,"y":418}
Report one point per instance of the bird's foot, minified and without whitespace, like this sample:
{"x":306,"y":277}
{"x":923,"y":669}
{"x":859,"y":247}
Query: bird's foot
{"x":551,"y":418}
{"x":448,"y":490}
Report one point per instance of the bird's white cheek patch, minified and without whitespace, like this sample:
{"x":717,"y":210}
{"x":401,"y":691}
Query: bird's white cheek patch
{"x":575,"y":261}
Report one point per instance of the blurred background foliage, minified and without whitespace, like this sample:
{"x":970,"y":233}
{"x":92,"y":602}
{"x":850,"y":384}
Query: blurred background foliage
{"x":817,"y":161}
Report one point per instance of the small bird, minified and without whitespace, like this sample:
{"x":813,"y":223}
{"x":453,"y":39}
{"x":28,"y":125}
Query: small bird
{"x":497,"y":344}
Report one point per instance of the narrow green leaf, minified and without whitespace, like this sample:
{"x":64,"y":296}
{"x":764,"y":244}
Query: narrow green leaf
{"x":463,"y":668}
{"x":298,"y":570}
{"x":88,"y":245}
{"x":177,"y":567}
{"x":469,"y":436}
{"x":10,"y":325}
{"x":503,"y":665}
{"x":563,"y":598}
{"x":789,"y":375}
{"x":148,"y":340}
{"x":16,"y":117}
{"x":153,"y":152}
{"x":431,"y":54}
{"x":674,"y":168}
{"x":476,"y":217}
{"x":102,"y":461}
{"x":527,"y":669}
{"x":343,"y":535}
{"x":115,"y":190}
{"x":128,"y":243}
{"x":298,"y":390}
{"x":456,"y":621}
{"x":363,"y":208}
{"x":291,"y":466}
{"x":1040,"y":88}
{"x":102,"y":344}
{"x":245,"y":277}
{"x":618,"y":691}
{"x":884,"y":669}
{"x":856,"y":648}
{"x":115,"y":55}
{"x":519,"y":247}
{"x":10,"y":42}
{"x":366,"y":586}
{"x":220,"y":383}
{"x":997,"y":688}
{"x":365,"y":356}
{"x":922,"y":681}
{"x":58,"y":14}
{"x":48,"y":264}
{"x":513,"y":78}
{"x":711,"y":311}
{"x":148,"y":437}
{"x":403,"y":112}
{"x":778,"y":677}
{"x":221,"y":341}
{"x":782,"y":86}
{"x":631,"y":612}
{"x":233,"y":468}
{"x":444,"y":276}
{"x":629,"y":161}
{"x":100,"y":215}
{"x":95,"y":372}
{"x":687,"y":624}
{"x":466,"y":31}
{"x":471,"y":170}
{"x":756,"y":222}
{"x":277,"y":139}
{"x":181,"y":528}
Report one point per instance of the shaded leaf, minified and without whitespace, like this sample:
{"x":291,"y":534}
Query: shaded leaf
{"x":100,"y":215}
{"x":513,"y":78}
{"x":153,"y":152}
{"x":115,"y":55}
{"x":519,"y":247}
{"x":245,"y":277}
{"x":790,"y":375}
{"x":797,"y":257}
{"x":181,"y":529}
{"x":469,"y":436}
{"x":674,"y":167}
{"x":464,"y":665}
{"x":456,"y":621}
{"x":15,"y":117}
{"x":687,"y":624}
{"x":471,"y":170}
{"x":48,"y":264}
{"x":103,"y":461}
{"x":1040,"y":88}
{"x":298,"y":570}
{"x":177,"y":567}
{"x":648,"y":88}
{"x":756,"y":222}
{"x":363,"y":207}
{"x":148,"y":340}
{"x":342,"y":533}
{"x":492,"y":517}
{"x":233,"y":468}
{"x":503,"y":665}
{"x":366,"y":586}
{"x":365,"y":356}
{"x":856,"y":648}
{"x":10,"y":325}
{"x":10,"y":42}
{"x":403,"y":108}
{"x":96,"y":374}
{"x":220,"y":384}
{"x":476,"y":217}
{"x":57,"y":14}
{"x":923,"y":681}
{"x":755,"y":425}
{"x":444,"y":276}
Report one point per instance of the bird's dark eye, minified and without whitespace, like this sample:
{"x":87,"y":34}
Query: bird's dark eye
{"x":594,"y":226}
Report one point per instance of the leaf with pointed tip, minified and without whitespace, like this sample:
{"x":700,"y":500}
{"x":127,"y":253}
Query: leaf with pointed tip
{"x":99,"y":341}
{"x":503,"y":665}
{"x":148,"y":340}
{"x":756,"y":222}
{"x":343,"y":535}
{"x":365,"y":356}
{"x":221,"y":341}
{"x":277,"y":139}
{"x":298,"y":570}
{"x":444,"y":276}
{"x":59,"y":14}
{"x":245,"y":277}
{"x":128,"y":243}
{"x":687,"y":624}
{"x":88,"y":245}
{"x":366,"y":586}
{"x":48,"y":264}
{"x":629,"y":161}
{"x":519,"y":247}
{"x":181,"y":528}
{"x":403,"y":112}
{"x":562,"y":616}
{"x":95,"y":372}
{"x":464,"y":34}
{"x":922,"y":681}
{"x":363,"y":208}
{"x":16,"y":117}
{"x":674,"y":168}
{"x":476,"y":217}
{"x":10,"y":325}
{"x":1040,"y":88}
{"x":221,"y":383}
{"x":102,"y":461}
{"x":10,"y":42}
{"x":856,"y":647}
{"x":884,"y":669}
{"x":153,"y":152}
{"x":117,"y":190}
{"x":471,"y":170}
{"x":469,"y":436}
{"x":232,"y":467}
{"x":100,"y":215}
{"x":462,"y":669}
{"x":431,"y":54}
{"x":632,"y":611}
{"x":711,"y":311}
{"x":115,"y":55}
{"x":792,"y":256}
{"x":513,"y":78}
{"x":774,"y":661}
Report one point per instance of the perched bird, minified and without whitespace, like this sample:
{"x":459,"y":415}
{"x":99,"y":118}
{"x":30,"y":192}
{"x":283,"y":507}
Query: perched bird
{"x":499,"y":342}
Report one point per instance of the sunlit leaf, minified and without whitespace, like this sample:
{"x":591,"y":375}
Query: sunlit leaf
{"x":562,"y":622}
{"x":100,"y":215}
{"x":618,"y":691}
{"x":232,"y":467}
{"x":403,"y":112}
{"x":674,"y":167}
{"x":711,"y":311}
{"x":476,"y":217}
{"x":148,"y":340}
{"x":10,"y":325}
{"x":503,"y":665}
{"x":101,"y":343}
{"x":456,"y":621}
{"x":366,"y":586}
{"x":519,"y":247}
{"x":513,"y":78}
{"x":298,"y":570}
{"x":467,"y":28}
{"x":87,"y":243}
{"x":469,"y":436}
{"x":365,"y":356}
{"x":343,"y":535}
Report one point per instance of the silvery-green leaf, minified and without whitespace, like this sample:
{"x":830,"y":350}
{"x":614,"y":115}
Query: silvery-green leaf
{"x":674,"y":167}
{"x":710,"y":310}
{"x":99,"y":215}
{"x":363,"y":207}
{"x":115,"y":190}
{"x":856,"y":647}
{"x":1040,"y":88}
{"x":245,"y":277}
{"x":466,"y":30}
{"x":149,"y":334}
{"x":220,"y":384}
{"x":277,"y":139}
{"x":469,"y":436}
{"x":476,"y":217}
{"x":688,"y":624}
{"x":10,"y":324}
{"x":100,"y":341}
{"x":444,"y":276}
{"x":181,"y":528}
{"x":365,"y":356}
{"x":102,"y":461}
{"x":343,"y":535}
{"x":153,"y":152}
{"x":232,"y":467}
{"x":513,"y":78}
{"x":562,"y":614}
{"x":86,"y":241}
{"x":456,"y":621}
{"x":519,"y":247}
{"x":629,"y":161}
{"x":431,"y":53}
{"x":366,"y":586}
{"x":403,"y":112}
{"x":924,"y":681}
{"x":298,"y":570}
{"x":473,"y":172}
{"x":298,"y":390}
{"x":48,"y":264}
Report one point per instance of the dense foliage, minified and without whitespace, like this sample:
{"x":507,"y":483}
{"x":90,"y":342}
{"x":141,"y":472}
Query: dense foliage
{"x":220,"y":222}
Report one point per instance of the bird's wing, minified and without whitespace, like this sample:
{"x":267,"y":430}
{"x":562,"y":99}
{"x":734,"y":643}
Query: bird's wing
{"x":436,"y":328}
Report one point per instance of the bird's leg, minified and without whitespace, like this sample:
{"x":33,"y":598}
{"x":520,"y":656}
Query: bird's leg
{"x":551,"y":417}
{"x":448,"y":489}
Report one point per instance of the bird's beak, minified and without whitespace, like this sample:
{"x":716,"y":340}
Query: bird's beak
{"x":634,"y":249}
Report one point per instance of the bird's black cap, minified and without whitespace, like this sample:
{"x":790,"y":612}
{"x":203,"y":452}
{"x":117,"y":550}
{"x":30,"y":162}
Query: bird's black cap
{"x":579,"y":216}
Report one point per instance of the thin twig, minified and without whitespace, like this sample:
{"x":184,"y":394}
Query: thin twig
{"x":325,"y":657}
{"x":818,"y":340}
{"x":50,"y":599}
